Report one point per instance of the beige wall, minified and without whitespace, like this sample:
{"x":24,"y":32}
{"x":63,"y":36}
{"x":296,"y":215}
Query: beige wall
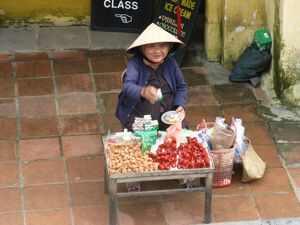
{"x":290,"y":54}
{"x":291,"y":24}
{"x":213,"y":30}
{"x":240,"y":20}
{"x":51,"y":11}
{"x":283,"y":79}
{"x":291,"y":31}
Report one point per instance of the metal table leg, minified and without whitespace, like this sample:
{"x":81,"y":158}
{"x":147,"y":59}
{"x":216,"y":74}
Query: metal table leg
{"x":208,"y":198}
{"x":105,"y":179}
{"x":112,"y":202}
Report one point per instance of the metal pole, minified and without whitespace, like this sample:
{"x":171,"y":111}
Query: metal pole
{"x":112,"y":202}
{"x":208,"y":198}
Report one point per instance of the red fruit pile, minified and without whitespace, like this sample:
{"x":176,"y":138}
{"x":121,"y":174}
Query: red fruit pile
{"x":186,"y":156}
{"x":192,"y":155}
{"x":166,"y":154}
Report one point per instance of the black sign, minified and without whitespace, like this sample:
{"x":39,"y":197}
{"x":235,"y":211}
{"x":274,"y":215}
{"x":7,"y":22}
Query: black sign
{"x":178,"y":17}
{"x":120,"y":15}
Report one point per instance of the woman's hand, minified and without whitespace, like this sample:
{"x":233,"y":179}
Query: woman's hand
{"x":180,"y":109}
{"x":149,"y":93}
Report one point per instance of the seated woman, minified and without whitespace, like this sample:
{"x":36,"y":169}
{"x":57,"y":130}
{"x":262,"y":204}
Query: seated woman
{"x":152,"y":68}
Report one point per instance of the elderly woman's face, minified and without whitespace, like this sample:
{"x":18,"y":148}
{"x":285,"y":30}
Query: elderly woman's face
{"x":156,"y":52}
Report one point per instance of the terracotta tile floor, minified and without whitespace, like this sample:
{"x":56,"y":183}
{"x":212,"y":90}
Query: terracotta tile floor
{"x":55,"y":106}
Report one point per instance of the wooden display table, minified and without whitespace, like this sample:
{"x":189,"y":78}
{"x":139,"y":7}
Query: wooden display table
{"x":111,"y":181}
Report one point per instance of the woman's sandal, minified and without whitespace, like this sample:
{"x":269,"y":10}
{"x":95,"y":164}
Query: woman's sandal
{"x":133,"y":186}
{"x":190,"y":183}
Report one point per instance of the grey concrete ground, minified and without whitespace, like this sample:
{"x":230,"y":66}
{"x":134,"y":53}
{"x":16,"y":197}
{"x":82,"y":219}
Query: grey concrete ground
{"x":286,"y":221}
{"x":61,"y":38}
{"x":15,"y":40}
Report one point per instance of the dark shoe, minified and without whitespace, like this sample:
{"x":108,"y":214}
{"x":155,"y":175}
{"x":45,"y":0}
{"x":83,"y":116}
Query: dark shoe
{"x":133,"y":186}
{"x":255,"y":81}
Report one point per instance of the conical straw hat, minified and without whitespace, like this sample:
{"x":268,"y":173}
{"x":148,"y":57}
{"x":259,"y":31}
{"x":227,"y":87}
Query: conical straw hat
{"x":154,"y":34}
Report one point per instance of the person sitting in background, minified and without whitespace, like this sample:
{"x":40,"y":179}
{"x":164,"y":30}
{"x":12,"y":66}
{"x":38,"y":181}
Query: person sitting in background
{"x":153,"y":67}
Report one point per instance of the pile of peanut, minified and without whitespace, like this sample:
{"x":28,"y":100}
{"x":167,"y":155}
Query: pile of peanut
{"x":128,"y":158}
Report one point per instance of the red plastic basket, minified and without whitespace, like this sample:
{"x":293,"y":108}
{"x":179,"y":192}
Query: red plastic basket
{"x":223,"y":160}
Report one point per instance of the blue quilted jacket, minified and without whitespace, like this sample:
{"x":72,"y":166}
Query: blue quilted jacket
{"x":136,"y":78}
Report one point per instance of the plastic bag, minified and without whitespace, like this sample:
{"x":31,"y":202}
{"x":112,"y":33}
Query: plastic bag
{"x":241,"y":144}
{"x":251,"y":64}
{"x":223,"y":136}
{"x":253,"y":166}
{"x":175,"y":131}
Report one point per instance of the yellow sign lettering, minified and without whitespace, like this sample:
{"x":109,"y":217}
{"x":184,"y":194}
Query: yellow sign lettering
{"x":188,"y":4}
{"x":183,"y":13}
{"x":169,"y":7}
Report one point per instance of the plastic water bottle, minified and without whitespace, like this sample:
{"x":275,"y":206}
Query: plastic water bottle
{"x":220,"y":121}
{"x":240,"y":139}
